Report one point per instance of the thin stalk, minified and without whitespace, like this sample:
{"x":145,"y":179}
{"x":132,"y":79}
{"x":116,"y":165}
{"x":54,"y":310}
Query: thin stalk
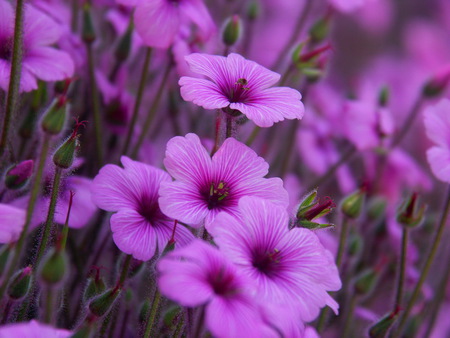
{"x":180,"y":325}
{"x":217,"y":133}
{"x":50,"y":216}
{"x":406,"y":126}
{"x":152,"y":315}
{"x":289,"y":149}
{"x":95,"y":105}
{"x":401,"y":277}
{"x":137,"y":104}
{"x":429,"y":261}
{"x":14,"y":80}
{"x":200,"y":320}
{"x":152,"y":112}
{"x":330,"y":172}
{"x":35,"y":189}
{"x":49,"y":306}
{"x":229,"y":126}
{"x":295,"y":33}
{"x":253,"y":136}
{"x":75,"y":15}
{"x":125,"y":270}
{"x":6,"y":311}
{"x":349,"y":317}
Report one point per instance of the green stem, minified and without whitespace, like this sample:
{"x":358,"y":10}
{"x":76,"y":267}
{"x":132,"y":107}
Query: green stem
{"x":14,"y":79}
{"x":95,"y":105}
{"x":349,"y":318}
{"x":401,"y":277}
{"x":289,"y":148}
{"x":125,"y":270}
{"x":180,"y":325}
{"x":35,"y":189}
{"x":253,"y":136}
{"x":137,"y":104}
{"x":229,"y":126}
{"x":429,"y":261}
{"x":152,"y":112}
{"x":152,"y":315}
{"x":50,"y":215}
{"x":75,"y":15}
{"x":49,"y":306}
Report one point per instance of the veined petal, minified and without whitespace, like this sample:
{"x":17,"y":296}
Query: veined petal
{"x":12,"y":220}
{"x":196,"y":11}
{"x":39,"y":29}
{"x":439,"y":160}
{"x":202,"y":92}
{"x":49,"y":64}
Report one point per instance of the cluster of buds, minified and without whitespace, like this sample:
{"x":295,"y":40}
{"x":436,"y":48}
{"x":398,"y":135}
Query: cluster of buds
{"x":312,"y":208}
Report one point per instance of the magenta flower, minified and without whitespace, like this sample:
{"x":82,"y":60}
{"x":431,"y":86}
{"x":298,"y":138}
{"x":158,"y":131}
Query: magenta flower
{"x":40,"y":61}
{"x":289,"y":267}
{"x":437,"y":126}
{"x":158,"y":22}
{"x":12,"y":220}
{"x":32,"y":329}
{"x":204,"y":186}
{"x":139,"y":227}
{"x":199,"y":274}
{"x":241,"y":85}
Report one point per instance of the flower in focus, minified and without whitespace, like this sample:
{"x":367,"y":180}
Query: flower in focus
{"x":12,"y":220}
{"x":241,"y":85}
{"x":32,"y":329}
{"x":158,"y":22}
{"x":139,"y":227}
{"x":290,"y":267}
{"x":204,"y":186}
{"x":40,"y":61}
{"x":199,"y":274}
{"x":437,"y":127}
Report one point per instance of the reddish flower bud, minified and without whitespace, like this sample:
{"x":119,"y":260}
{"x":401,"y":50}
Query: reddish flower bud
{"x":18,"y":175}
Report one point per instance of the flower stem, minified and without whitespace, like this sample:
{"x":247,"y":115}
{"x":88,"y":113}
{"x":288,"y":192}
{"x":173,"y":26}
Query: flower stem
{"x":49,"y":306}
{"x":289,"y":149}
{"x":50,"y":215}
{"x":75,"y":15}
{"x":200,"y":320}
{"x":152,"y":112}
{"x":428,"y":262}
{"x":401,"y":277}
{"x":349,"y":317}
{"x":35,"y":189}
{"x":229,"y":126}
{"x":14,"y":79}
{"x":125,"y":270}
{"x":137,"y":104}
{"x":152,"y":314}
{"x":253,"y":136}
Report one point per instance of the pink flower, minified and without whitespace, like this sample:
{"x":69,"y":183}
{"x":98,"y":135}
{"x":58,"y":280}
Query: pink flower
{"x":158,"y":22}
{"x":199,"y":274}
{"x":437,"y":126}
{"x":39,"y":60}
{"x":289,"y":267}
{"x":241,"y":85}
{"x":12,"y":220}
{"x":32,"y":329}
{"x":139,"y":227}
{"x":204,"y":186}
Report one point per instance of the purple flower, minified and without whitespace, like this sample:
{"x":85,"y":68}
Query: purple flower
{"x":12,"y":220}
{"x":39,"y":60}
{"x":199,"y":274}
{"x":204,"y":186}
{"x":241,"y":85}
{"x":290,"y":267}
{"x":139,"y":227}
{"x":158,"y":22}
{"x":437,"y":126}
{"x":32,"y":329}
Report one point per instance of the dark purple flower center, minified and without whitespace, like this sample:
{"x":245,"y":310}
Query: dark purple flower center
{"x":149,"y":209}
{"x":216,"y":195}
{"x":266,"y":262}
{"x":222,"y":283}
{"x":239,"y":91}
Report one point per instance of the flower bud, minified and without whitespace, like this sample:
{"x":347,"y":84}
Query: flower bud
{"x":408,"y":215}
{"x":436,"y":85}
{"x":54,"y":267}
{"x":143,"y":311}
{"x":355,"y":245}
{"x":20,"y":284}
{"x":232,"y":30}
{"x":54,"y":118}
{"x":253,"y":10}
{"x":312,"y":208}
{"x":383,"y":97}
{"x":101,"y":304}
{"x":5,"y":251}
{"x":320,"y":30}
{"x":94,"y":287}
{"x":381,"y":328}
{"x":18,"y":175}
{"x":366,"y":281}
{"x":171,"y":314}
{"x":88,"y":31}
{"x":352,"y":205}
{"x":376,"y":208}
{"x":124,"y":47}
{"x":65,"y":154}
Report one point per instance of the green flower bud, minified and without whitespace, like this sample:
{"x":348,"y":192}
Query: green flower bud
{"x":5,"y":251}
{"x":408,"y":215}
{"x":88,"y":31}
{"x":20,"y":284}
{"x":18,"y":175}
{"x":100,"y":305}
{"x":124,"y":46}
{"x":355,"y":245}
{"x":52,"y":122}
{"x":143,"y":312}
{"x":383,"y":97}
{"x":170,"y":315}
{"x":319,"y":30}
{"x":253,"y":10}
{"x":312,"y":208}
{"x":65,"y":154}
{"x":95,"y":286}
{"x":366,"y":282}
{"x":381,"y":328}
{"x":376,"y":208}
{"x":435,"y":86}
{"x":352,"y":205}
{"x":54,"y":267}
{"x":232,"y":30}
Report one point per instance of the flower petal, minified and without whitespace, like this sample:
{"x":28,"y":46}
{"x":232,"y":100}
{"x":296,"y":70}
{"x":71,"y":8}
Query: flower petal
{"x":202,"y":92}
{"x":12,"y":220}
{"x":49,"y":64}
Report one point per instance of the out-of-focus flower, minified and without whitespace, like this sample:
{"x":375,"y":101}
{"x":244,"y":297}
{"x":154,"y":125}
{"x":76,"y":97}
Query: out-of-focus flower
{"x":199,"y":274}
{"x":437,"y":126}
{"x":32,"y":329}
{"x":158,"y":22}
{"x":241,"y":85}
{"x":40,"y":61}
{"x":290,"y":267}
{"x":12,"y":220}
{"x":205,"y":186}
{"x":139,"y":227}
